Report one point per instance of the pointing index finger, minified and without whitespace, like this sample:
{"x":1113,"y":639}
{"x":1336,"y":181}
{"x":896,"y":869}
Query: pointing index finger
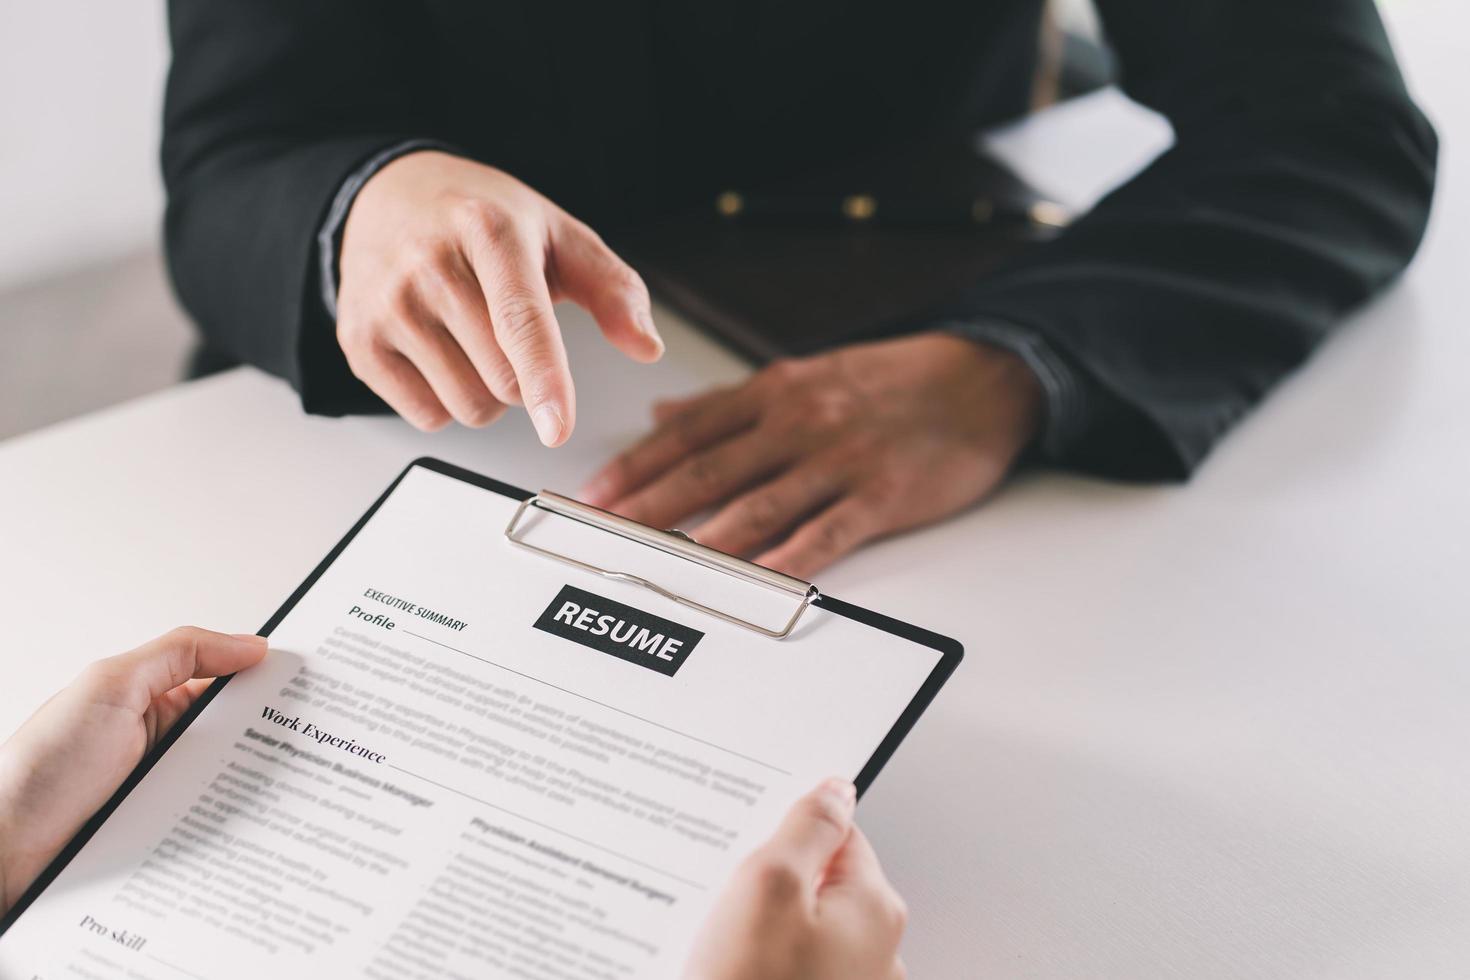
{"x":526,"y":329}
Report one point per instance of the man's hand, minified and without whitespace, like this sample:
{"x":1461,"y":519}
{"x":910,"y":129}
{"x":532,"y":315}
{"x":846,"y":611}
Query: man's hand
{"x":449,"y":271}
{"x":810,"y":458}
{"x":75,"y":751}
{"x":812,"y":904}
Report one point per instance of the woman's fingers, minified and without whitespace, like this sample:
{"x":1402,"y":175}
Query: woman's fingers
{"x":166,"y":710}
{"x":814,"y":830}
{"x":856,"y":867}
{"x":855,"y":880}
{"x":134,"y":679}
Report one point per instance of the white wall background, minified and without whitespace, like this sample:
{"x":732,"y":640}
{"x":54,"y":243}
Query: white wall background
{"x":81,"y":85}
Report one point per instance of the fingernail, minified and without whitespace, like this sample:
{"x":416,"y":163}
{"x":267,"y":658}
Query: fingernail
{"x":251,"y":638}
{"x":645,"y":323}
{"x":548,"y":422}
{"x":841,"y":790}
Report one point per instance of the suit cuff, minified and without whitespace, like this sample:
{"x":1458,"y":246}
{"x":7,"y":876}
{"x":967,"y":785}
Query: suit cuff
{"x":329,"y":236}
{"x":1065,"y":389}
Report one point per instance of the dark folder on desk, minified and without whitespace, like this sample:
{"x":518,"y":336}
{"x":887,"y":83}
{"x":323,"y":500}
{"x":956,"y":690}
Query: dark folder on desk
{"x":841,"y":256}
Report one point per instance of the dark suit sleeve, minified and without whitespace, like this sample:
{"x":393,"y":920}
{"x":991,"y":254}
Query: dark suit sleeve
{"x":270,"y":105}
{"x":1299,"y":183}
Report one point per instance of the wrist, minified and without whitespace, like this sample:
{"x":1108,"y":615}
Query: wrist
{"x":987,"y":384}
{"x":329,"y":235}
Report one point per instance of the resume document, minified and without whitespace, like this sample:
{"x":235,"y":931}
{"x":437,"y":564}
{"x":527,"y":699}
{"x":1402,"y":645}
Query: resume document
{"x":461,"y":759}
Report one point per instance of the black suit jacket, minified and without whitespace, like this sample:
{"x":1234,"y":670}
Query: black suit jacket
{"x":1299,"y":184}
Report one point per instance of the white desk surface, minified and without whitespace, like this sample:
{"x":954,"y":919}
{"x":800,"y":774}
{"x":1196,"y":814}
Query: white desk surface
{"x":1209,"y":731}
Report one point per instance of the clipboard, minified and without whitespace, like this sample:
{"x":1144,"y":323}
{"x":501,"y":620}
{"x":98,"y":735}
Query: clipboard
{"x":805,"y":595}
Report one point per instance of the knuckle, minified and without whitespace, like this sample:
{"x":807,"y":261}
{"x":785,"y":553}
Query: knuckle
{"x":423,"y":254}
{"x":706,"y":472}
{"x":571,"y":232}
{"x":830,"y":535}
{"x":619,"y":470}
{"x":436,"y":277}
{"x":817,"y":480}
{"x":683,"y":430}
{"x":402,"y":303}
{"x":502,"y":382}
{"x":501,"y":231}
{"x":779,"y":371}
{"x":480,"y":409}
{"x":354,"y":335}
{"x":896,"y":913}
{"x":365,"y":362}
{"x":783,"y":421}
{"x":762,"y":513}
{"x":855,"y":457}
{"x":868,"y":444}
{"x":578,"y":228}
{"x":518,"y":317}
{"x":429,"y":419}
{"x":820,"y":809}
{"x":102,"y":676}
{"x":882,"y":491}
{"x":629,"y":281}
{"x":184,"y":635}
{"x":774,"y":879}
{"x":180,"y":651}
{"x":477,"y":217}
{"x":422,"y":410}
{"x":830,"y":408}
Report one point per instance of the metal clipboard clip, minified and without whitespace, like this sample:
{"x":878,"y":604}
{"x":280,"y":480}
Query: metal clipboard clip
{"x":672,"y":542}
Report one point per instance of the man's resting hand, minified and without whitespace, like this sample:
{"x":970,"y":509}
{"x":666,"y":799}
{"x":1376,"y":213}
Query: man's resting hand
{"x":810,"y":458}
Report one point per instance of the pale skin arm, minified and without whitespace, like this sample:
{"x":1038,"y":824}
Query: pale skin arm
{"x":73,"y":753}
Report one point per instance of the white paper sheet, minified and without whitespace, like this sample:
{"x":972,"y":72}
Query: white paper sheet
{"x":463,"y":794}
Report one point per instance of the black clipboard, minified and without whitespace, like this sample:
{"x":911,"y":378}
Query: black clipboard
{"x":950,"y":651}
